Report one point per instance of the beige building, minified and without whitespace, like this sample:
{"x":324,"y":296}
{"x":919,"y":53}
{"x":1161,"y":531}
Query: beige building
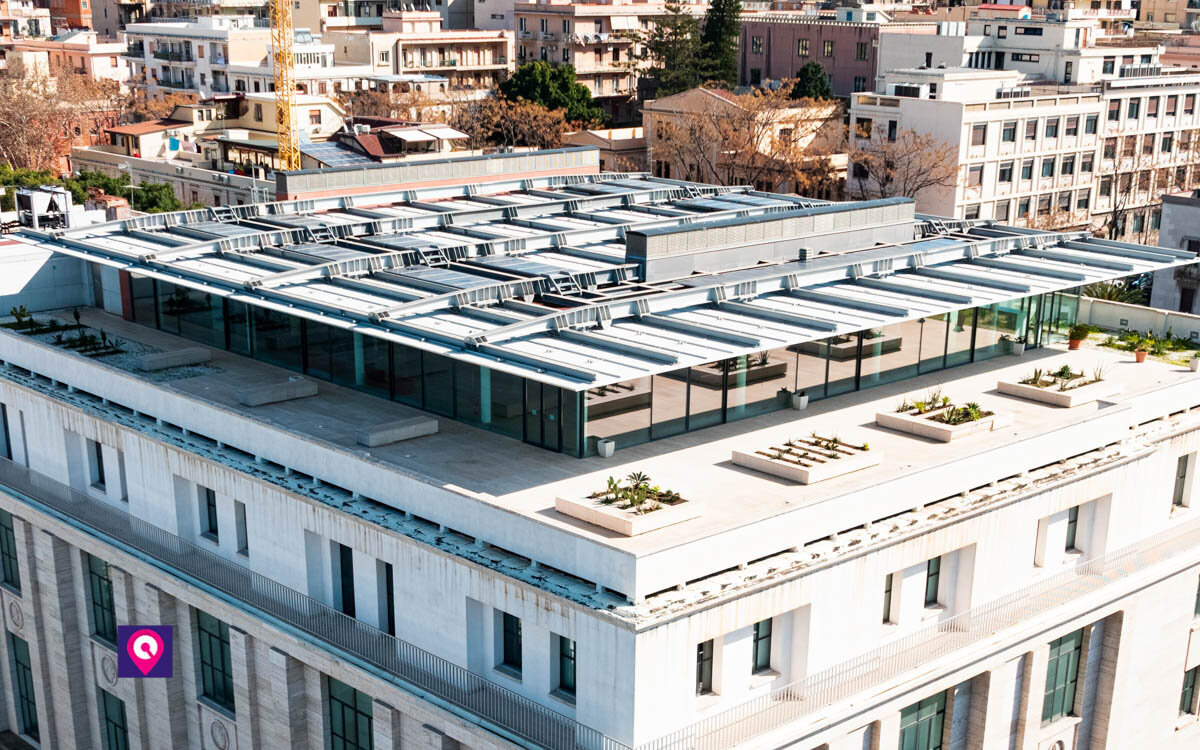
{"x":621,"y":149}
{"x":598,"y":39}
{"x":80,"y":52}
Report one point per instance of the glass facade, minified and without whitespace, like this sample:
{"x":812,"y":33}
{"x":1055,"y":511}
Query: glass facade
{"x":350,"y":718}
{"x":1062,"y":673}
{"x":10,"y":572}
{"x":631,"y":412}
{"x":104,"y":622}
{"x":116,"y":730}
{"x":25,"y":697}
{"x":216,"y":660}
{"x":922,"y":724}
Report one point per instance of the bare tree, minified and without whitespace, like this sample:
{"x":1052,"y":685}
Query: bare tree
{"x":763,"y":138}
{"x":907,"y":164}
{"x":499,"y":122}
{"x":405,"y":105}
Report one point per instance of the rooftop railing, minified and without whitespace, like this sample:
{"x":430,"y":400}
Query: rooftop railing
{"x":532,"y":724}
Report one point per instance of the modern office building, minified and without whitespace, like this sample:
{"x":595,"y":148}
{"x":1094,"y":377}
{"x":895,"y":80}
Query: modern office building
{"x":1050,"y":128}
{"x":355,"y":472}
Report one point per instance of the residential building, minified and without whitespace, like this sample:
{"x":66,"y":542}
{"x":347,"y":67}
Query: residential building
{"x":413,"y":52}
{"x":1182,"y":52}
{"x":339,"y":15}
{"x":1067,"y":136}
{"x":621,"y":149}
{"x":599,"y":39}
{"x":776,"y":45}
{"x":337,"y":573}
{"x":227,"y":54}
{"x":685,"y":139}
{"x":79,"y":52}
{"x":23,"y":18}
{"x":1180,"y":230}
{"x":67,"y":15}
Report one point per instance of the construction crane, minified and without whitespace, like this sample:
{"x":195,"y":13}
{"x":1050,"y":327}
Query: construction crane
{"x":283,"y":37}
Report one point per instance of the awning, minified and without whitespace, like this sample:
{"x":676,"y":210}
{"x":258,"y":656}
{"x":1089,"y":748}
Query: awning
{"x":444,"y":132}
{"x":620,"y":23}
{"x":408,"y":135}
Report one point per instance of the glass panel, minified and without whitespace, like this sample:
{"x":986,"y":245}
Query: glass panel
{"x":770,"y":378}
{"x":843,"y":362}
{"x":890,"y":353}
{"x":670,"y":403}
{"x":370,"y":365}
{"x":346,"y":357}
{"x":571,"y":401}
{"x":277,"y":338}
{"x":620,"y":412}
{"x":810,"y":368}
{"x":319,"y":340}
{"x":406,"y":375}
{"x":994,"y":321}
{"x":958,"y":349}
{"x":472,"y":392}
{"x":142,"y":290}
{"x":169,"y":301}
{"x":933,"y":343}
{"x":550,"y":423}
{"x":202,"y":318}
{"x":737,"y":371}
{"x":237,"y":314}
{"x":705,"y":395}
{"x":533,"y":413}
{"x":506,"y":405}
{"x":436,"y":385}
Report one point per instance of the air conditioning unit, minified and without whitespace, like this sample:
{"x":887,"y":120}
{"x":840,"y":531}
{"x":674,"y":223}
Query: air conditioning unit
{"x":178,"y":170}
{"x":1014,"y":93}
{"x":913,"y":90}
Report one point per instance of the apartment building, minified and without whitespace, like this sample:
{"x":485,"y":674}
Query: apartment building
{"x":70,"y":14}
{"x":1088,"y":137}
{"x":229,"y":54}
{"x":23,"y":18}
{"x":339,"y":15}
{"x":351,"y":490}
{"x":1176,"y":289}
{"x":80,"y":52}
{"x":776,"y":45}
{"x":599,"y":39}
{"x":414,"y":52}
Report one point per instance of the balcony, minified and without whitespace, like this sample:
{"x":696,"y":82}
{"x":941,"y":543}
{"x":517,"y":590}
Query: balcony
{"x":173,"y":84}
{"x":220,"y":88}
{"x":173,"y":55}
{"x":135,"y":50}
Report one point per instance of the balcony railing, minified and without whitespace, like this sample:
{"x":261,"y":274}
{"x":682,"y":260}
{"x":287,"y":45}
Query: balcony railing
{"x":172,"y":84}
{"x":822,"y":689}
{"x":135,"y":50}
{"x":537,"y":725}
{"x":220,"y":88}
{"x":173,"y":55}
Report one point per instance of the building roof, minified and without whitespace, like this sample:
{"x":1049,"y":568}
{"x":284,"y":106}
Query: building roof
{"x":581,"y":281}
{"x":149,"y":126}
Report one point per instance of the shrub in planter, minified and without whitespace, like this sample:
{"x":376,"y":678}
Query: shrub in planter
{"x":1077,"y":334}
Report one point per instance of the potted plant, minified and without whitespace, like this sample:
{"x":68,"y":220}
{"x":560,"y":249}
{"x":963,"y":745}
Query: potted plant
{"x":1016,"y":344}
{"x":1076,"y":335}
{"x":800,"y":400}
{"x":1139,"y":350}
{"x":1194,"y":362}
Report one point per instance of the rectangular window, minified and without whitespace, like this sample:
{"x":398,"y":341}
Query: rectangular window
{"x":1181,"y":469}
{"x":350,"y":718}
{"x":860,"y":83}
{"x":5,"y":439}
{"x":1027,"y":169}
{"x":922,"y":724}
{"x":975,"y":175}
{"x":892,"y":131}
{"x":258,"y":116}
{"x":1062,"y":672}
{"x":104,"y":623}
{"x":887,"y":597}
{"x":827,"y":48}
{"x":1031,"y":127}
{"x":1197,"y":608}
{"x":1048,"y":167}
{"x":1114,"y":110}
{"x":1072,"y":527}
{"x":566,"y":665}
{"x":1052,"y":127}
{"x":1172,"y":105}
{"x":762,"y":646}
{"x":1072,"y":128}
{"x":1152,"y":106}
{"x":8,"y":552}
{"x":216,"y":660}
{"x":1168,"y":143}
{"x":1023,"y":208}
{"x":1083,"y":200}
{"x":1068,"y":165}
{"x":511,"y":652}
{"x":1043,"y":205}
{"x":933,"y":575}
{"x":239,"y":523}
{"x":1189,"y":104}
{"x":1008,"y":133}
{"x":1110,"y":148}
{"x":971,"y":211}
{"x":756,"y":45}
{"x":345,"y":580}
{"x":1085,"y":163}
{"x":860,"y":51}
{"x":209,"y":524}
{"x":1134,"y":110}
{"x":1000,"y":212}
{"x":704,"y":668}
{"x":1187,"y":702}
{"x":1109,"y":65}
{"x":116,"y":730}
{"x":802,"y":47}
{"x":1005,"y":173}
{"x":25,"y":697}
{"x":314,"y":117}
{"x":1090,"y":125}
{"x":978,"y":134}
{"x":95,"y":454}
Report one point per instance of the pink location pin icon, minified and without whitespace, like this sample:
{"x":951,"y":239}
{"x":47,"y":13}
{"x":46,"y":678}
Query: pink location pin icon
{"x":145,"y":648}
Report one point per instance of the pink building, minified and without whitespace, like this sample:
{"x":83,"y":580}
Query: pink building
{"x":776,"y":45}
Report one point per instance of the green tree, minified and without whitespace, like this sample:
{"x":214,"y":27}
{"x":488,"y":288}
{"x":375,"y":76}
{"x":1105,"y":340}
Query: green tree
{"x":1115,"y":291}
{"x":554,"y":87}
{"x":719,"y":41}
{"x":148,"y":197}
{"x":674,"y":50}
{"x":812,"y":83}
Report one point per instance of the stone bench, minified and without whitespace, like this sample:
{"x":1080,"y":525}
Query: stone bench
{"x":194,"y":355}
{"x":394,"y":432}
{"x":273,"y":393}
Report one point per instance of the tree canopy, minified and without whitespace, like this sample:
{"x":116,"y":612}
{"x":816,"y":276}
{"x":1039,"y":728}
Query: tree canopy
{"x":719,"y":41}
{"x":554,"y":87}
{"x":148,"y":197}
{"x":812,"y":83}
{"x":675,"y":51}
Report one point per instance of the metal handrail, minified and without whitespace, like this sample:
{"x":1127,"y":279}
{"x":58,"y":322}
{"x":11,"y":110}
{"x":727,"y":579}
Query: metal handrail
{"x":786,"y":704}
{"x":537,"y":725}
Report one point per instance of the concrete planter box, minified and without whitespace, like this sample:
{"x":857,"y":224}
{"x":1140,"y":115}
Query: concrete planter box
{"x":855,"y":461}
{"x":848,"y":349}
{"x":715,"y":379}
{"x":921,"y":426}
{"x":615,"y":403}
{"x":1084,"y":394}
{"x":626,"y":522}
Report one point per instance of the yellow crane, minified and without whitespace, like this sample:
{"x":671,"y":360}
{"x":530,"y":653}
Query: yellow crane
{"x":283,"y":37}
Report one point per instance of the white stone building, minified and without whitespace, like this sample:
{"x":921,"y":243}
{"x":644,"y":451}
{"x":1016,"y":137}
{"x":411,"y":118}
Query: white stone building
{"x":1176,"y":289}
{"x":340,"y":576}
{"x":1050,"y":129}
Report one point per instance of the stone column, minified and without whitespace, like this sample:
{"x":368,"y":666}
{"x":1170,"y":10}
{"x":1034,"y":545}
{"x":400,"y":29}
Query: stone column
{"x":168,"y":713}
{"x":241,"y":646}
{"x":282,"y":689}
{"x":1108,"y":683}
{"x":125,"y":612}
{"x":63,"y":645}
{"x":1029,"y":720}
{"x":992,"y":693}
{"x":386,"y":723}
{"x":886,"y":733}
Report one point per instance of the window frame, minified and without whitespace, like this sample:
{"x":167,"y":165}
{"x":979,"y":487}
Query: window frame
{"x":101,"y":602}
{"x":511,"y":644}
{"x":1062,"y":677}
{"x":216,"y":679}
{"x":704,"y":667}
{"x":10,"y":566}
{"x":115,"y":721}
{"x":761,"y":647}
{"x":344,"y":702}
{"x":933,"y":580}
